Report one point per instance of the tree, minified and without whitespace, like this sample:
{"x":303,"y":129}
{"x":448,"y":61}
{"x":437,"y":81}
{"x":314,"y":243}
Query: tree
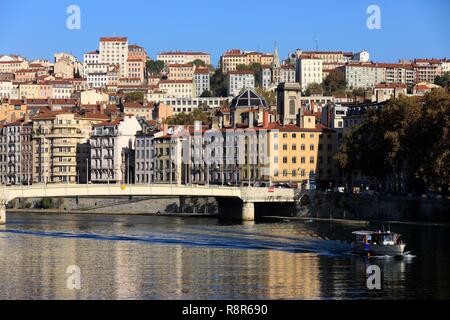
{"x":313,"y":88}
{"x":47,"y":203}
{"x":359,"y":92}
{"x":134,"y":97}
{"x":199,"y":63}
{"x":334,"y":82}
{"x":206,"y":94}
{"x":154,"y":67}
{"x":269,"y":96}
{"x":183,"y":118}
{"x":407,"y":136}
{"x":218,"y":83}
{"x":443,"y":80}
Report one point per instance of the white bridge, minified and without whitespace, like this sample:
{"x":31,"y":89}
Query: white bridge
{"x":234,"y":202}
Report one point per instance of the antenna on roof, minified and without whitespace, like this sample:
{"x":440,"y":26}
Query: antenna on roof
{"x":317,"y":44}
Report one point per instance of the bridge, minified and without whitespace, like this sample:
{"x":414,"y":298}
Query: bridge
{"x":234,"y":202}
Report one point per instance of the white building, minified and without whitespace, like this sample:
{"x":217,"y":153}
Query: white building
{"x":190,"y":104}
{"x":183,"y":57}
{"x":202,"y":79}
{"x":363,"y":75}
{"x":9,"y":90}
{"x":266,"y":76}
{"x":309,"y":70}
{"x":362,"y":56}
{"x":112,"y":143}
{"x":238,"y":80}
{"x":114,"y":50}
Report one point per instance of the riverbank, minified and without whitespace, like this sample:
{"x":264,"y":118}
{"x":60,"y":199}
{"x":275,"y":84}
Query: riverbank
{"x":368,"y":207}
{"x":357,"y":222}
{"x":82,"y":212}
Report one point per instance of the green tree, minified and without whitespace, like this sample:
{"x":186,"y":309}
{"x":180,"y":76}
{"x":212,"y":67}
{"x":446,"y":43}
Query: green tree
{"x":47,"y":203}
{"x":313,"y":88}
{"x":443,"y":80}
{"x":199,"y":63}
{"x":269,"y":96}
{"x":218,"y":84}
{"x":334,"y":82}
{"x":407,"y":136}
{"x":154,"y":67}
{"x":183,"y":118}
{"x":134,"y":97}
{"x":206,"y":94}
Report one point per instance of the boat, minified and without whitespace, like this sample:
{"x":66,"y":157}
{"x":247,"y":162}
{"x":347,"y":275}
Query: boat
{"x":378,"y":243}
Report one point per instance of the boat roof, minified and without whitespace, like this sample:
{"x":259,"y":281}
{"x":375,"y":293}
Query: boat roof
{"x":366,"y":232}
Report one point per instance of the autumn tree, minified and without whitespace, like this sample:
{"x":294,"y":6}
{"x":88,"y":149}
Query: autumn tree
{"x":335,"y":82}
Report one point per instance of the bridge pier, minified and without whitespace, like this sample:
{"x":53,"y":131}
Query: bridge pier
{"x":248,"y":211}
{"x":2,"y":212}
{"x":236,"y":209}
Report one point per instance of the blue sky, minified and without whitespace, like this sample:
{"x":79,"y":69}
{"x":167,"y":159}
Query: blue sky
{"x":409,"y":28}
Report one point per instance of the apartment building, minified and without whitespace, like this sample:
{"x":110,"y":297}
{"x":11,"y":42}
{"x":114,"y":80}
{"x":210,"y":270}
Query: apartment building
{"x":387,"y":91}
{"x":12,"y":110}
{"x":363,"y":75}
{"x":232,"y":58}
{"x":177,"y":88}
{"x":135,"y":69}
{"x":3,"y":153}
{"x":302,"y":154}
{"x":61,"y":151}
{"x":202,"y":81}
{"x":61,"y":89}
{"x":114,"y":50}
{"x":309,"y":70}
{"x":399,"y":73}
{"x":18,"y":151}
{"x":428,"y":69}
{"x":190,"y":104}
{"x":11,"y":66}
{"x":138,"y":109}
{"x":9,"y":89}
{"x":145,"y":153}
{"x":112,"y":150}
{"x":238,"y":80}
{"x":183,"y":57}
{"x":178,"y":71}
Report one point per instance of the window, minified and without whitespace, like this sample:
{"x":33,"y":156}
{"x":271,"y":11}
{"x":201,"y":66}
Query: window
{"x":292,"y":106}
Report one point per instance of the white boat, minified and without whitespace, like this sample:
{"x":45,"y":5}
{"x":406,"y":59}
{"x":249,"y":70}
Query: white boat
{"x":378,"y":243}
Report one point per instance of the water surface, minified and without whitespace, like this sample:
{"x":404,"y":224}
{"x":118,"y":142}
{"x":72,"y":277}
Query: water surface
{"x":149,"y":257}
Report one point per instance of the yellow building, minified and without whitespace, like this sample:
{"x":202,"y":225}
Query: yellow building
{"x":232,"y":58}
{"x":179,"y":71}
{"x":35,"y":91}
{"x":60,"y":147}
{"x":299,"y":154}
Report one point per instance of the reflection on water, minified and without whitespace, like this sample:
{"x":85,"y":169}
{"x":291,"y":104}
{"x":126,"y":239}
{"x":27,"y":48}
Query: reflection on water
{"x":138,"y":257}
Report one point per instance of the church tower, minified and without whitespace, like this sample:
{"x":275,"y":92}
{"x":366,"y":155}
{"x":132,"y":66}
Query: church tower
{"x":276,"y":67}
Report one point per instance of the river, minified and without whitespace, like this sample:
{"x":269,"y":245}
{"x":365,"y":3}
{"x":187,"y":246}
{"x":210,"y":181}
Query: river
{"x":159,"y":257}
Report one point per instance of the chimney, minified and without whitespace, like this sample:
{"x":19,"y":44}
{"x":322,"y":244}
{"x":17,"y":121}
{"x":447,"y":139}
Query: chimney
{"x":265,"y":118}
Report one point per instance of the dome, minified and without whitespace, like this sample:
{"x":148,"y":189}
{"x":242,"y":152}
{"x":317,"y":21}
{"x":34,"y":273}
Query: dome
{"x":248,"y":98}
